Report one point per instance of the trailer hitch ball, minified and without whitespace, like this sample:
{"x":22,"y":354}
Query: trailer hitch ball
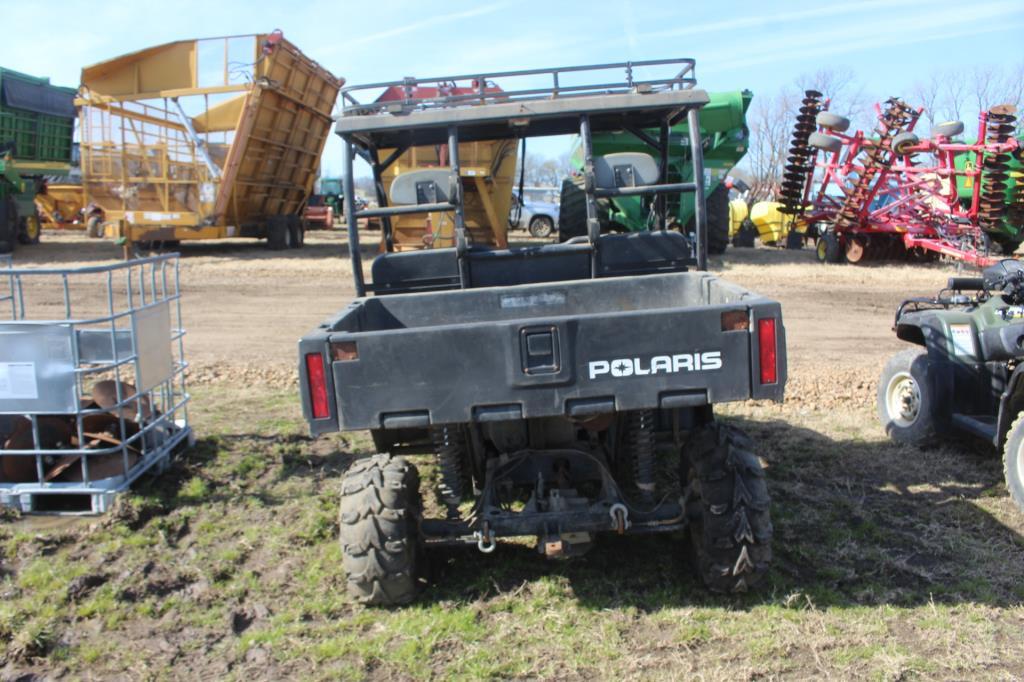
{"x":485,"y":541}
{"x":620,"y":518}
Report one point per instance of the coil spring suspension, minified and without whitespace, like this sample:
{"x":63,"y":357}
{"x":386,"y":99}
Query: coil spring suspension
{"x":879,"y":155}
{"x":995,"y":169}
{"x":449,"y":448}
{"x":798,"y":164}
{"x":640,"y":444}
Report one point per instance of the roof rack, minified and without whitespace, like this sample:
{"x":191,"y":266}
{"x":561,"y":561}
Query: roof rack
{"x":411,"y":94}
{"x":441,"y":111}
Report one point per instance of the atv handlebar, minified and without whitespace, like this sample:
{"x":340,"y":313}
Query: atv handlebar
{"x":966,"y":284}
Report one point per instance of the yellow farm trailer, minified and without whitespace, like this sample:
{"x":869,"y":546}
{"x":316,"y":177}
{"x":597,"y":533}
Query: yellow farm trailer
{"x":205,"y":139}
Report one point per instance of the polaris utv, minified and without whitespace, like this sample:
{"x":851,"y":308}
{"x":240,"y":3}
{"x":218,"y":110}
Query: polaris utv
{"x":966,"y":377}
{"x":564,"y":390}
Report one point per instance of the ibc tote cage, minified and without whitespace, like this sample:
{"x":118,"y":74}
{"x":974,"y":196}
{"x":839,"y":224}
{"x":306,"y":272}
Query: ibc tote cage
{"x":92,"y":381}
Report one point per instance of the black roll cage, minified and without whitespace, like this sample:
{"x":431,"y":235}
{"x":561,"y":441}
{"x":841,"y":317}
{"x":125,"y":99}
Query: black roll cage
{"x":481,"y":111}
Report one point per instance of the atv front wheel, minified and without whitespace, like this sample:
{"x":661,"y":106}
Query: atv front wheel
{"x":727,"y":503}
{"x":380,"y":505}
{"x":1013,"y":462}
{"x":905,"y":402}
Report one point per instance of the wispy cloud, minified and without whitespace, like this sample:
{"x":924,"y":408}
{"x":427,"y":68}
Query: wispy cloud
{"x":734,"y":24}
{"x":428,"y":23}
{"x":868,"y":33}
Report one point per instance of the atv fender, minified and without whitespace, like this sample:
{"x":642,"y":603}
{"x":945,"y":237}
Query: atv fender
{"x":1011,"y":403}
{"x":922,"y":329}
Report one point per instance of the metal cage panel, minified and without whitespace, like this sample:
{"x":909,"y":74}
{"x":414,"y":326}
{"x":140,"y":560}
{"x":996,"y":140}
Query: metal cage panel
{"x":92,"y":387}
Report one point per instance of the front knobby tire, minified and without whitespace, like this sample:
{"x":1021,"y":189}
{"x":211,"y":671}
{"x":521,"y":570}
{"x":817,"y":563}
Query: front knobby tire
{"x":905,"y":400}
{"x":1013,"y":462}
{"x":728,"y":506}
{"x":380,"y":508}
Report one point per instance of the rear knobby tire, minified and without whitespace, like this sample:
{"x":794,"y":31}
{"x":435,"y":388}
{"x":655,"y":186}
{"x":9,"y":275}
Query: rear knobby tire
{"x":731,"y":528}
{"x":1013,"y":462}
{"x":380,"y":508}
{"x":905,"y":400}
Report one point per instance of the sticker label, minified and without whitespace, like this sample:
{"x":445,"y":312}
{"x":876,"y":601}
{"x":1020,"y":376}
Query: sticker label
{"x":963,"y":339}
{"x":157,"y":216}
{"x":533,"y":300}
{"x":18,"y":381}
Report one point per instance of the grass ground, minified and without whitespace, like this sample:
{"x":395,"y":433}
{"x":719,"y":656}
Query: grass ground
{"x":891,"y":563}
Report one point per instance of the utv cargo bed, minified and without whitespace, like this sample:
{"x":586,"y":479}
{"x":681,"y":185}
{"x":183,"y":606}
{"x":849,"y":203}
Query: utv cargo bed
{"x":572,"y":348}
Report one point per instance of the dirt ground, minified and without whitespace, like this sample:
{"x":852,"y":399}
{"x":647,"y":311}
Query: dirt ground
{"x":245,"y":306}
{"x":890,"y":562}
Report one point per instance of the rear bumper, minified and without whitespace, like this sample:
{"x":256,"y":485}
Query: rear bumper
{"x":520,"y":369}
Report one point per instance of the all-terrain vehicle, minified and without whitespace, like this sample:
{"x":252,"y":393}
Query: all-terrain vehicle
{"x":563,"y":390}
{"x":966,"y":377}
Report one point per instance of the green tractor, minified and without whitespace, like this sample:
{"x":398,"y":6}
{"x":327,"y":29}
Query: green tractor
{"x":37,"y":123}
{"x":726,"y":137}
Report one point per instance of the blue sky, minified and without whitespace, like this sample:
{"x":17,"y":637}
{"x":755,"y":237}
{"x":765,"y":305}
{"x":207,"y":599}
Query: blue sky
{"x":762,"y":46}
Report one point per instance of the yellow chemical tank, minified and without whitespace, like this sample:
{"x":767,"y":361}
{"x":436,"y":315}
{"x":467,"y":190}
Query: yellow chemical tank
{"x":773,"y":225}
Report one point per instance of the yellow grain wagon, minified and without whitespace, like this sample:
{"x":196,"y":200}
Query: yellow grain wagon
{"x":205,"y":139}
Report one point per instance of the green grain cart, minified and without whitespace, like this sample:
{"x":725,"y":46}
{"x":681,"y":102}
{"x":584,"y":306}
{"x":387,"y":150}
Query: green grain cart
{"x":37,"y":122}
{"x":1008,"y":231}
{"x":726,"y":138}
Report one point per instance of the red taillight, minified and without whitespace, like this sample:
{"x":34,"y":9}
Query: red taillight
{"x":317,"y":385}
{"x":766,"y":346}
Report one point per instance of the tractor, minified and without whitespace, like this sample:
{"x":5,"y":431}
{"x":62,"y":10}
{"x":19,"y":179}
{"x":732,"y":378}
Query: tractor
{"x":724,"y":138}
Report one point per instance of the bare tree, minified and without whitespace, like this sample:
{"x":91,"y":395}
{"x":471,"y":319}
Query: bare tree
{"x":1011,"y":86}
{"x":985,"y":85}
{"x":954,"y":94}
{"x":545,"y":172}
{"x":844,"y":91}
{"x":771,"y":120}
{"x":928,"y":94}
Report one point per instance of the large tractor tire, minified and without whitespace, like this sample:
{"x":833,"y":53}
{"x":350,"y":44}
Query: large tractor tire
{"x":718,"y":220}
{"x":905,"y":399}
{"x":296,"y":232}
{"x":728,"y":508}
{"x":380,"y":507}
{"x":572,"y":215}
{"x":1013,"y":461}
{"x":8,"y":225}
{"x":278,"y":235}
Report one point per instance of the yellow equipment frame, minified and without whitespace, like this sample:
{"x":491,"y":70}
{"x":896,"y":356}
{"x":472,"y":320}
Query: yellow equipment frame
{"x":164,"y":163}
{"x":488,"y":173}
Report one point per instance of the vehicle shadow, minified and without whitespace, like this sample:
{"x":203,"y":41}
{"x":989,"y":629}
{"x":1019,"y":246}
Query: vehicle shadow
{"x":856,"y":523}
